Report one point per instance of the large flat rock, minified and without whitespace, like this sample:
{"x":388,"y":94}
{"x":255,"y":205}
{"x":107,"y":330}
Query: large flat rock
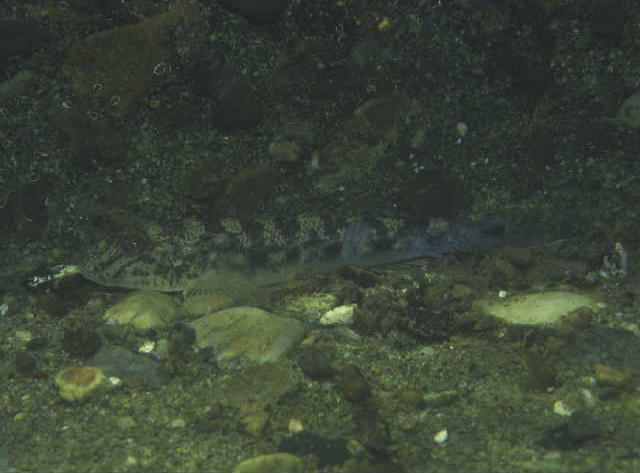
{"x":537,"y":309}
{"x":249,"y":333}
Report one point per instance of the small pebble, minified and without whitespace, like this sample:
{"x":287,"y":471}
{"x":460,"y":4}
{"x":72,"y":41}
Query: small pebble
{"x":178,"y":424}
{"x":441,"y":437}
{"x":561,"y":409}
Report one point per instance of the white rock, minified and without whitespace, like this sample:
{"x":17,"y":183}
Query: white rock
{"x":147,"y":346}
{"x":341,"y":315}
{"x":561,"y":409}
{"x":537,"y":309}
{"x":441,"y":437}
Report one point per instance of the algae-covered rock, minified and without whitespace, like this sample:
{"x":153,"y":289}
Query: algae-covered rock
{"x":380,"y":117}
{"x":122,"y":64}
{"x":536,"y":309}
{"x":203,"y":304}
{"x":79,"y":382}
{"x":255,"y":390}
{"x":260,"y":386}
{"x":121,"y":363}
{"x":312,"y":306}
{"x":629,"y":112}
{"x":247,"y":332}
{"x":144,"y":310}
{"x":272,"y":463}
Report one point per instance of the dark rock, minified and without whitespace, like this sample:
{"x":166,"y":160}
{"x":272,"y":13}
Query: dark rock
{"x":124,"y":61}
{"x":608,"y":18}
{"x":429,"y":313}
{"x":80,"y":337}
{"x":236,"y":108}
{"x":620,"y":347}
{"x":257,"y":11}
{"x":26,"y":213}
{"x":210,"y":76}
{"x":182,"y":115}
{"x":51,"y":304}
{"x":380,"y":118}
{"x":233,"y":103}
{"x":37,"y":343}
{"x":354,"y":384}
{"x":251,"y":188}
{"x":433,"y":194}
{"x":525,"y":49}
{"x":298,"y":73}
{"x":328,"y":451}
{"x":542,"y":148}
{"x":130,"y":367}
{"x":316,"y":360}
{"x":181,"y":340}
{"x":219,"y":418}
{"x":583,"y":426}
{"x":19,"y":37}
{"x":377,"y":313}
{"x":520,"y":257}
{"x":91,"y":142}
{"x":292,"y":143}
{"x":25,"y":363}
{"x":361,"y":276}
{"x":371,"y":430}
{"x":540,"y":374}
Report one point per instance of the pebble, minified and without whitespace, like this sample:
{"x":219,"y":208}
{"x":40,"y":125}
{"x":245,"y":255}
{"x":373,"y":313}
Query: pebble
{"x":341,"y":315}
{"x":561,"y":409}
{"x":178,"y":423}
{"x":126,"y":422}
{"x":79,"y":382}
{"x":441,"y":436}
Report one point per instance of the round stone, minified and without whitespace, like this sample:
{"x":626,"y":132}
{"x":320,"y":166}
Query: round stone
{"x":78,"y":382}
{"x":144,"y":310}
{"x":249,"y":333}
{"x":274,"y":462}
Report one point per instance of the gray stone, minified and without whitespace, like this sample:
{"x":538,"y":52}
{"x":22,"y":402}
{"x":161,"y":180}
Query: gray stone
{"x":249,"y":333}
{"x":121,"y":363}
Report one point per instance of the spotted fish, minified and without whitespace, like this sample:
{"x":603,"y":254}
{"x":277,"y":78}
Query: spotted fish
{"x":236,"y":256}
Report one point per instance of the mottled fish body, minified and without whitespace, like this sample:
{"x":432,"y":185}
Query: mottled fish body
{"x":249,"y":254}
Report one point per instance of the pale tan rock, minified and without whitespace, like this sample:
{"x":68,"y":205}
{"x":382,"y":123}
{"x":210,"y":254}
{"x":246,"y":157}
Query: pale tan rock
{"x":537,"y":309}
{"x":248,"y":332}
{"x":272,"y":463}
{"x":144,"y":310}
{"x":79,"y":382}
